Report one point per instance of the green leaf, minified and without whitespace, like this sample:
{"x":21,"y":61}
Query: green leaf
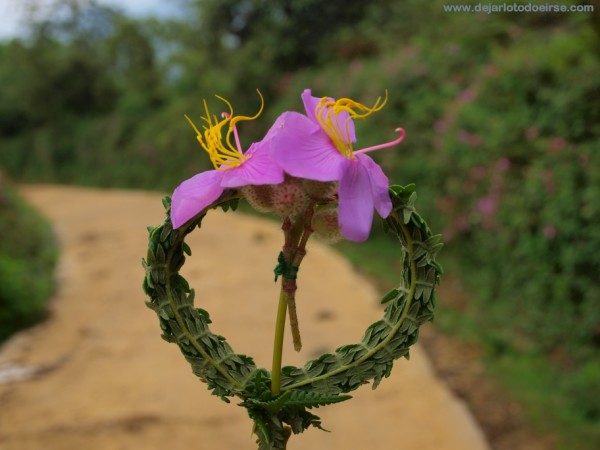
{"x":164,"y":233}
{"x":307,"y":399}
{"x":161,"y":258}
{"x":230,"y":204}
{"x":390,"y":296}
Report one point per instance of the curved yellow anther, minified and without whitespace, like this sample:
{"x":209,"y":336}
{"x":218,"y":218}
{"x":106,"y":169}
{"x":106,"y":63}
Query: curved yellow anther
{"x":222,"y":153}
{"x":327,"y":113}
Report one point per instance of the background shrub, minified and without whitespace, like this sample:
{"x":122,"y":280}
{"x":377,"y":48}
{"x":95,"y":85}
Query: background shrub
{"x":27,"y":259}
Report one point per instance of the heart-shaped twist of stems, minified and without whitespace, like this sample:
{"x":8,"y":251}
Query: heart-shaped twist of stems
{"x":279,"y":401}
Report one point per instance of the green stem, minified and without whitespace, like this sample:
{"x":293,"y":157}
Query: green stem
{"x":395,"y":328}
{"x":296,"y":235}
{"x":278,"y":343}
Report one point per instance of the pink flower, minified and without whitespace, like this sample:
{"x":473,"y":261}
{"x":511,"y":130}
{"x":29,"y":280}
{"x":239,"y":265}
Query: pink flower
{"x":233,"y":167}
{"x":319,"y":146}
{"x":441,"y":126}
{"x":503,"y":164}
{"x":487,"y":205}
{"x":550,"y":231}
{"x":467,"y":95}
{"x":556,"y":145}
{"x":531,"y":133}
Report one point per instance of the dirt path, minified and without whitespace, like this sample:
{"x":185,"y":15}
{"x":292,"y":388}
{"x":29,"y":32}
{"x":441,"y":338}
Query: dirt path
{"x":96,"y":375}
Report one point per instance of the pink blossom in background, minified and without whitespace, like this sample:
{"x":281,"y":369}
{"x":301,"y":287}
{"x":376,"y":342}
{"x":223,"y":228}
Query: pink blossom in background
{"x":503,"y":164}
{"x":550,"y":231}
{"x":556,"y":145}
{"x":548,"y":180}
{"x":476,"y":140}
{"x":487,"y":205}
{"x":459,"y":224}
{"x":469,"y":187}
{"x":458,"y":78}
{"x":467,"y":95}
{"x":472,"y":139}
{"x":441,"y":126}
{"x":462,"y":223}
{"x":463,"y":136}
{"x":531,"y":133}
{"x":515,"y":32}
{"x":420,"y":69}
{"x":410,"y":51}
{"x":478,"y":172}
{"x":491,"y":70}
{"x":583,"y":160}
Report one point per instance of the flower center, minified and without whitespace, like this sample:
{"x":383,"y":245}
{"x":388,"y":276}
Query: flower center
{"x":222,"y":152}
{"x":335,"y":117}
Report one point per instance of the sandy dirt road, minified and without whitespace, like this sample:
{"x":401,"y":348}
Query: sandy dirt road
{"x":96,"y":374}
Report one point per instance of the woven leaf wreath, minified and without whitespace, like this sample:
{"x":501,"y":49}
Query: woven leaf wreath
{"x":307,"y":171}
{"x":322,"y":381}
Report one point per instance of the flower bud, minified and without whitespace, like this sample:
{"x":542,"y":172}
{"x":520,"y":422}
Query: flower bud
{"x":260,"y":197}
{"x":289,"y":198}
{"x":320,"y":190}
{"x":325,"y":224}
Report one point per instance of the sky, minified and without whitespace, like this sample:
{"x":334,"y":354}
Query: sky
{"x":12,"y":11}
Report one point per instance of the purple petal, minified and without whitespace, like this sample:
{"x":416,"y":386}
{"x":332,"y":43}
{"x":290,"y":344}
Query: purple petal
{"x":343,"y":119}
{"x":379,"y":185}
{"x":355,"y":202}
{"x":303,"y":150}
{"x":274,"y":128}
{"x":258,"y":169}
{"x":195,"y":194}
{"x":310,"y":104}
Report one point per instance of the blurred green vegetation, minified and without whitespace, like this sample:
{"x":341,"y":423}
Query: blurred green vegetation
{"x":502,"y":113}
{"x":27,"y":259}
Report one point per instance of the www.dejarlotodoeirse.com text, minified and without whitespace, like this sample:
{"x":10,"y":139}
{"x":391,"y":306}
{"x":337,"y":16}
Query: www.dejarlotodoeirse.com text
{"x":489,"y":8}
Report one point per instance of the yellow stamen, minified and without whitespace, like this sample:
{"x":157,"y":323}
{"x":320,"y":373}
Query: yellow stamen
{"x":327,"y":113}
{"x":222,"y":153}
